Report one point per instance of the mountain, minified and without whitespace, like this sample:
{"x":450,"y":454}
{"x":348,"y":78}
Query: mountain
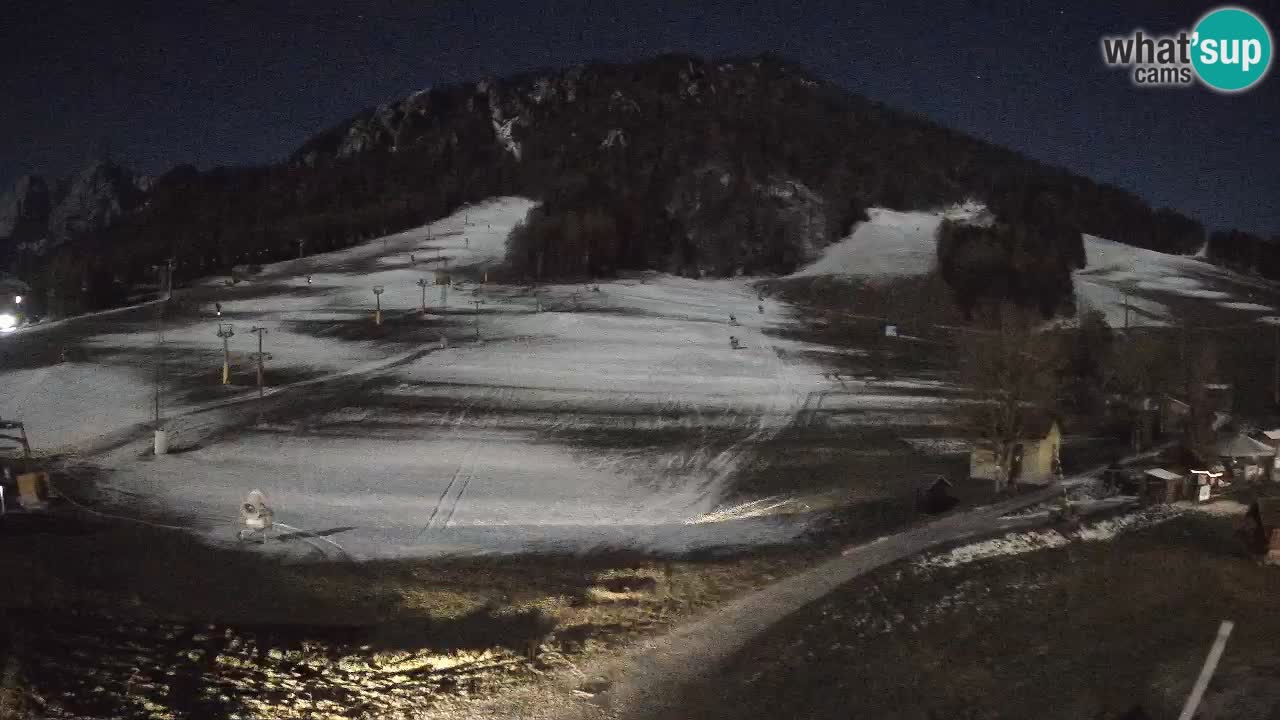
{"x":77,"y":207}
{"x":97,"y":196}
{"x":677,"y":163}
{"x":24,"y":210}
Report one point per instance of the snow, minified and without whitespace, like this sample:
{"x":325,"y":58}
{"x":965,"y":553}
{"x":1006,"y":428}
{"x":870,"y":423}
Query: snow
{"x":941,"y":446}
{"x":69,"y":403}
{"x":896,"y":243}
{"x":616,"y":418}
{"x":1249,"y":306}
{"x":73,"y":402}
{"x":1019,"y":543}
{"x":1115,"y":269}
{"x":892,"y":243}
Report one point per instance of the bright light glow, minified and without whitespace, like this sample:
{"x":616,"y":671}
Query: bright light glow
{"x":17,"y":299}
{"x":7,"y":322}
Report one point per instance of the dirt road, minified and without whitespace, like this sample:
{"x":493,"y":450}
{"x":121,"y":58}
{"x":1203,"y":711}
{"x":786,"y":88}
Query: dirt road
{"x":646,"y":683}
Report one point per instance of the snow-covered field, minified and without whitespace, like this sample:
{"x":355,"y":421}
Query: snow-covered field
{"x":616,"y":417}
{"x":895,"y":243}
{"x":891,"y":243}
{"x":1152,"y":280}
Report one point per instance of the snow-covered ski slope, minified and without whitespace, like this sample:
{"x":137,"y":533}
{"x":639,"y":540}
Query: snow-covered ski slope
{"x":890,"y":243}
{"x":1158,"y":286}
{"x":614,"y":418}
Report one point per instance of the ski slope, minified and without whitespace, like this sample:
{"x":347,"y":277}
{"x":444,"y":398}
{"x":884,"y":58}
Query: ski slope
{"x":1151,"y":284}
{"x":891,"y":243}
{"x":613,"y":418}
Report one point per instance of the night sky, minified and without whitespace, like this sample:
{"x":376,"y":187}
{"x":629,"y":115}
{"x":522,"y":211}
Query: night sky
{"x":210,"y":83}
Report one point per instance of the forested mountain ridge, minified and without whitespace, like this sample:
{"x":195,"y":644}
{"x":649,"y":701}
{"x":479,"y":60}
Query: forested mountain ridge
{"x":676,"y":163}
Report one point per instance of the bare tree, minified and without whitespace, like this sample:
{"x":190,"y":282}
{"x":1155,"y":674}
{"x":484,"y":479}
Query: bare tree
{"x":1012,"y":369}
{"x":1139,"y":369}
{"x":1201,"y":369}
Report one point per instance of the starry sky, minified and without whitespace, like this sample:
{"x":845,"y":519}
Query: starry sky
{"x":155,"y":84}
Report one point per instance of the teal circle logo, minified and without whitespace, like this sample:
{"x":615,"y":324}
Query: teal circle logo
{"x":1231,"y":49}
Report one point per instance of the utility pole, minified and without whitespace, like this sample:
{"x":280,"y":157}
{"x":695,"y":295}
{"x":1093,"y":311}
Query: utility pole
{"x":226,"y":332}
{"x":377,"y":297}
{"x":477,"y":302}
{"x":260,"y":357}
{"x":161,"y":439}
{"x":302,"y":247}
{"x":1125,"y":294}
{"x":1276,"y":370}
{"x":163,"y":282}
{"x":422,"y":283}
{"x":537,"y":280}
{"x":159,"y":358}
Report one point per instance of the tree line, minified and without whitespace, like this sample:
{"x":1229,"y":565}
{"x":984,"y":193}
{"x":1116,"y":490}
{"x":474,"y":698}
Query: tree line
{"x":677,"y":163}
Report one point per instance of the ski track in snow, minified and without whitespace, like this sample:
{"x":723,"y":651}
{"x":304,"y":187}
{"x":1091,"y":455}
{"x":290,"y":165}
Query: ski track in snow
{"x":621,"y":424}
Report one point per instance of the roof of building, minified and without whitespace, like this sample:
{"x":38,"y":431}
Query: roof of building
{"x":1241,"y":445}
{"x":1163,"y":474}
{"x":1272,"y":434}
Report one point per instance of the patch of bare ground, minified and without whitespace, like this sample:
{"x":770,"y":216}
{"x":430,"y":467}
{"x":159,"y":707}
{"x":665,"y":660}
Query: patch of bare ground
{"x":111,"y":619}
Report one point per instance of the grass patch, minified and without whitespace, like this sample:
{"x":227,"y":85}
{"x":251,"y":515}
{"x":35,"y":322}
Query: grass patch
{"x":123,"y":620}
{"x":1082,"y":631}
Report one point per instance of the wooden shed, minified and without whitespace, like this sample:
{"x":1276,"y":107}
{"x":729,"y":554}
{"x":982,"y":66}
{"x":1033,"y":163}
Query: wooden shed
{"x":1035,"y":458}
{"x":1163,"y":486}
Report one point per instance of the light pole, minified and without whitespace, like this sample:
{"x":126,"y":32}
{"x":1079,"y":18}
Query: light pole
{"x":260,"y":357}
{"x":226,"y":332}
{"x":161,"y":440}
{"x":477,"y":302}
{"x":302,"y":247}
{"x":377,"y":298}
{"x":422,"y":283}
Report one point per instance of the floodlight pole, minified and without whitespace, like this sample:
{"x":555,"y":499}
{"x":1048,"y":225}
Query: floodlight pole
{"x":226,"y":332}
{"x":1276,"y":369}
{"x":1125,"y":294}
{"x":377,"y":297}
{"x":260,"y":357}
{"x":422,"y":283}
{"x":164,"y":285}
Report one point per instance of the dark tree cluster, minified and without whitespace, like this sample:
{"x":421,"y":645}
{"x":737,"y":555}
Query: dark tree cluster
{"x":1026,"y":263}
{"x":677,"y":163}
{"x":1246,"y":252}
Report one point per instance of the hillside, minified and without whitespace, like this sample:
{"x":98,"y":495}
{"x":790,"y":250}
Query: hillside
{"x":681,"y":164}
